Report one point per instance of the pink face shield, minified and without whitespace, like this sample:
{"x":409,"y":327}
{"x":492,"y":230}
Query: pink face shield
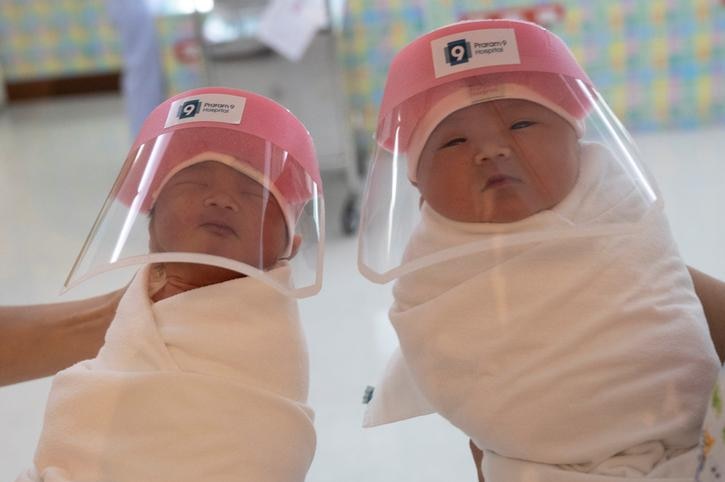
{"x":219,"y":177}
{"x":490,"y":129}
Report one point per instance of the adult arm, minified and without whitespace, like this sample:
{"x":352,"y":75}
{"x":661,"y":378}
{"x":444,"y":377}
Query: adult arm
{"x":711,"y":292}
{"x":40,"y":340}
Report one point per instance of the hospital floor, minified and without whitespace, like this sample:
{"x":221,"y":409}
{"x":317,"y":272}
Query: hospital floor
{"x":58,"y":159}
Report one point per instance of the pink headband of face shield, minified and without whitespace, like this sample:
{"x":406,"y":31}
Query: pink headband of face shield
{"x":261,"y":117}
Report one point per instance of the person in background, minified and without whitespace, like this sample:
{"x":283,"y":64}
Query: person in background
{"x":142,"y":76}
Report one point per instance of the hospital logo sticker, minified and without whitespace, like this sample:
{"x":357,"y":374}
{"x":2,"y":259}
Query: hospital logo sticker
{"x":224,"y":108}
{"x":474,"y":49}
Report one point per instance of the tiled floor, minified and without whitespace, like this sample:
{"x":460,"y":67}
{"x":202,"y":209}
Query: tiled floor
{"x":57,"y":161}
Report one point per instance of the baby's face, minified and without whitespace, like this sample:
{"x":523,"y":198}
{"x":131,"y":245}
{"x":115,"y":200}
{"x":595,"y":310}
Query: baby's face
{"x":214,"y":209}
{"x":498,"y":162}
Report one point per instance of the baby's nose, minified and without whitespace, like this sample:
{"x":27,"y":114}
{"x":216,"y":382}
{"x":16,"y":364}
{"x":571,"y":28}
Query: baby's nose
{"x":492,"y":152}
{"x":222,"y":200}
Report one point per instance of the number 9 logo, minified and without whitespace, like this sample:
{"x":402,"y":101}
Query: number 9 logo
{"x":458,"y":52}
{"x":189,"y":109}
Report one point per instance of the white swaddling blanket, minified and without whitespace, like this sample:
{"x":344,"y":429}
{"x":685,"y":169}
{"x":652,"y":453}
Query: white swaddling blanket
{"x":210,"y":384}
{"x":566,"y":353}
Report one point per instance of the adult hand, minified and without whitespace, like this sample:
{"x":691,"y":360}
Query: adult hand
{"x":477,"y":458}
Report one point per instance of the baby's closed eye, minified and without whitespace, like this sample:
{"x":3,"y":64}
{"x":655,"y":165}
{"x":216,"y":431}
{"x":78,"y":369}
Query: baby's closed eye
{"x":190,"y":183}
{"x":453,"y":142}
{"x":522,"y":124}
{"x":253,"y":194}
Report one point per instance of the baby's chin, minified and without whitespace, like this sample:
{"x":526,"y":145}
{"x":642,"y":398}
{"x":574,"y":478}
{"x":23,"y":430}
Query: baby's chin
{"x":485,"y":214}
{"x":508,"y":210}
{"x":215,"y":274}
{"x":199,"y":275}
{"x":507,"y":216}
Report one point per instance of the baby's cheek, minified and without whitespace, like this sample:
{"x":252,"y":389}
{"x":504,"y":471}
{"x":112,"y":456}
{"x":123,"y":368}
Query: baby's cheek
{"x":169,"y":229}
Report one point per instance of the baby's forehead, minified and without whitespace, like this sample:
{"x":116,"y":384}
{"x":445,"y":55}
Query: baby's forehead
{"x":211,"y":170}
{"x":499,"y":107}
{"x":499,"y":112}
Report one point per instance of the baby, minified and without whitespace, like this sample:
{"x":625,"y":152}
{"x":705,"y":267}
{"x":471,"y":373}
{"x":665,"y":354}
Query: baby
{"x":204,"y":370}
{"x":541,"y":304}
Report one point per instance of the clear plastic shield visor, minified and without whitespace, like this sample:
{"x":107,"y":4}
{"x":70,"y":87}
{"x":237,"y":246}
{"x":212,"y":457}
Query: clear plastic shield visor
{"x":204,"y":196}
{"x":496,"y":161}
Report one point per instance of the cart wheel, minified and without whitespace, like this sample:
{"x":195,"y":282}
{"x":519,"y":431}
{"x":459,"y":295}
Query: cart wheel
{"x":350,"y":216}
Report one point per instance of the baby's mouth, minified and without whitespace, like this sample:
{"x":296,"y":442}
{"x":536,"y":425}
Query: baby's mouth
{"x":499,"y":180}
{"x":219,"y":228}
